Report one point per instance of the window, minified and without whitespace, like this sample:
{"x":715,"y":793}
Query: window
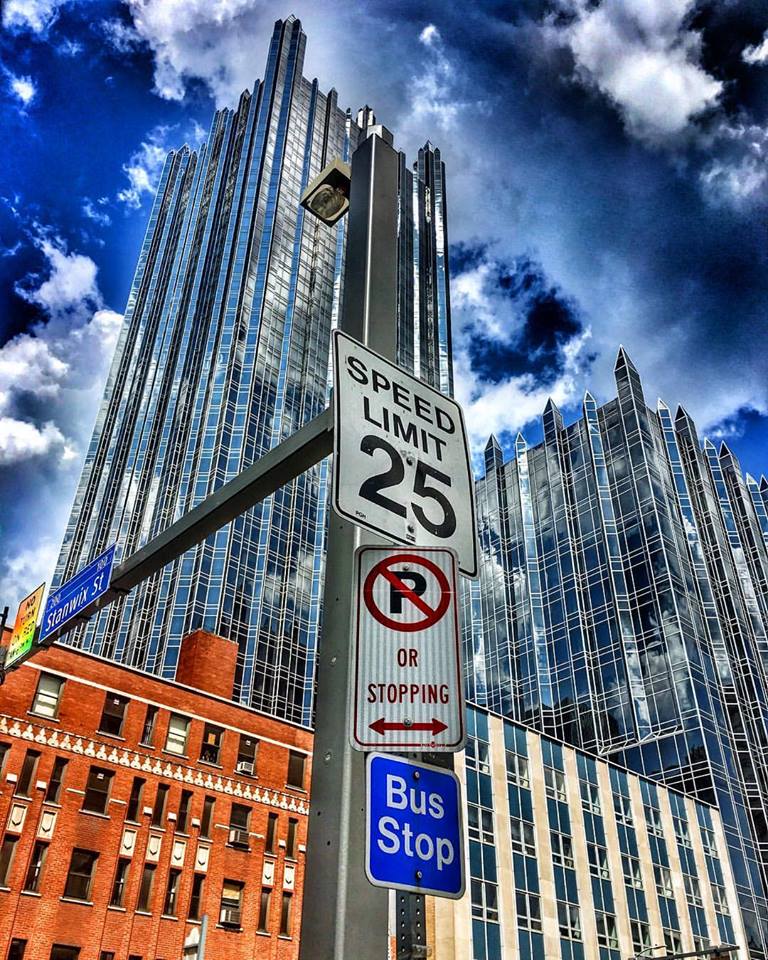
{"x":478,"y":755}
{"x":623,"y":808}
{"x":523,"y":837}
{"x":35,"y":869}
{"x":641,"y":936}
{"x":663,"y":881}
{"x":480,"y":822}
{"x":708,"y":841}
{"x":171,"y":893}
{"x":17,"y":948}
{"x":81,"y":869}
{"x":653,"y":819}
{"x":183,"y":818}
{"x":590,"y":796}
{"x":569,"y":920}
{"x":61,"y":952}
{"x":673,"y":941}
{"x":196,"y":897}
{"x":286,"y":915}
{"x":107,"y":955}
{"x":269,"y":844}
{"x":97,"y":790}
{"x":528,"y":911}
{"x":53,"y":793}
{"x":562,"y":850}
{"x":211,"y":746}
{"x":554,"y":781}
{"x":158,"y":811}
{"x":692,"y":890}
{"x":296,"y":764}
{"x":606,"y":931}
{"x":266,"y":896}
{"x":113,"y":714}
{"x":485,"y":900}
{"x":205,"y":823}
{"x":145,"y":890}
{"x":290,"y":846}
{"x":150,"y":723}
{"x":598,"y":861}
{"x":239,"y":819}
{"x":28,"y":771}
{"x":6,"y":859}
{"x":5,"y":749}
{"x":121,"y":881}
{"x":517,"y":769}
{"x":246,"y":754}
{"x":632,"y":874}
{"x":720,"y":898}
{"x":178,"y":731}
{"x":134,"y":801}
{"x":682,"y":832}
{"x":47,"y":696}
{"x":231,"y":897}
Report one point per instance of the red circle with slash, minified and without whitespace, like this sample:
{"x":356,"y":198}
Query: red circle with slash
{"x":431,"y":614}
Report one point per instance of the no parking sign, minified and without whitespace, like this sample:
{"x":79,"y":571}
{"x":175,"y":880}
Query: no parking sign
{"x":407,"y":684}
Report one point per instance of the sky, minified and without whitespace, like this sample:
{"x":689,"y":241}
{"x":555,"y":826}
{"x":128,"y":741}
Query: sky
{"x":607,"y":185}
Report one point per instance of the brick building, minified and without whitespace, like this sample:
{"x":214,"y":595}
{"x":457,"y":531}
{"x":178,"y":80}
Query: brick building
{"x":136,"y":812}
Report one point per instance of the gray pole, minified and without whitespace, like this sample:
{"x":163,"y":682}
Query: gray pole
{"x":203,"y":935}
{"x":344,"y":916}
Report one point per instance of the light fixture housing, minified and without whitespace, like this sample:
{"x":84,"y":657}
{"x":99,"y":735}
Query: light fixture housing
{"x":327,"y":196}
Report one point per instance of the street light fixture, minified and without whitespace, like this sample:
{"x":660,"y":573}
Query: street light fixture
{"x":327,"y":196}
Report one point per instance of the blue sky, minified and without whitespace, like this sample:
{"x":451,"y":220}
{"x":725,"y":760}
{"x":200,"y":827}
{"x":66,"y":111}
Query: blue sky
{"x":607,"y":184}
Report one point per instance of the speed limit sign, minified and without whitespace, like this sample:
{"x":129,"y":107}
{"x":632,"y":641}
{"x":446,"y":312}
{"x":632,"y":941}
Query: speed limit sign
{"x":401,"y":458}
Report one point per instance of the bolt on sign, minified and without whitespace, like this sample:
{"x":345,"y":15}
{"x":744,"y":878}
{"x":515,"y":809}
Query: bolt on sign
{"x":24,"y":627}
{"x":401,"y":458}
{"x":407,"y":689}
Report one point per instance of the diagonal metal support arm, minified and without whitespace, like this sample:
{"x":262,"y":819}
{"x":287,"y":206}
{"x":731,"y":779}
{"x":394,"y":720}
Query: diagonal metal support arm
{"x":304,"y":448}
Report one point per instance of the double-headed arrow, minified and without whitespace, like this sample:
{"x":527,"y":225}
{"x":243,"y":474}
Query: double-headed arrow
{"x":435,"y":726}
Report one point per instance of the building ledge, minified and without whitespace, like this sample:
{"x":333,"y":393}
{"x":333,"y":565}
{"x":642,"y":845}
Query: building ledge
{"x":82,"y":903}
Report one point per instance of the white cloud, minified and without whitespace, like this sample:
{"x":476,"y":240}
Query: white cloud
{"x":642,"y":55}
{"x":429,"y":35}
{"x":51,"y":383}
{"x":144,"y":168}
{"x":71,"y":284}
{"x":739,"y":174}
{"x":34,"y":15}
{"x":120,"y":36}
{"x":92,"y":211}
{"x":757,"y":54}
{"x":23,"y":88}
{"x":20,"y":440}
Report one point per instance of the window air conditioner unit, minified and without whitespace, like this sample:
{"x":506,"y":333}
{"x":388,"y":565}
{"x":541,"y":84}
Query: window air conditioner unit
{"x":245,"y":766}
{"x":238,"y":837}
{"x":230,"y":916}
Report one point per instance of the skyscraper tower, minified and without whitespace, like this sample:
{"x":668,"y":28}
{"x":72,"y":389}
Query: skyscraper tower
{"x":223,"y":353}
{"x":623,"y":607}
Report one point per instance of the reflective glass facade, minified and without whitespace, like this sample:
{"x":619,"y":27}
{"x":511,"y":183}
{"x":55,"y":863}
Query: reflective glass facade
{"x":224,"y":352}
{"x":623,"y":606}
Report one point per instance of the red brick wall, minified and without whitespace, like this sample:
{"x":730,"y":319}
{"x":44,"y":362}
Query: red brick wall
{"x":207,"y":662}
{"x":46,"y":919}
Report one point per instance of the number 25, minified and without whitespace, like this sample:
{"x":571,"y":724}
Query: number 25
{"x":371,"y":488}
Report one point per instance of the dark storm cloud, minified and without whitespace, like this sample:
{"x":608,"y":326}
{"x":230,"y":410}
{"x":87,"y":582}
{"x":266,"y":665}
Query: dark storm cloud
{"x":534,"y":320}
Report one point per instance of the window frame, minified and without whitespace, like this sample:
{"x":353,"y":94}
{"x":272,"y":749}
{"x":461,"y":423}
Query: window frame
{"x":54,"y":699}
{"x":295,"y":757}
{"x":112,"y":717}
{"x":174,"y":736}
{"x":87,"y":878}
{"x":91,"y":791}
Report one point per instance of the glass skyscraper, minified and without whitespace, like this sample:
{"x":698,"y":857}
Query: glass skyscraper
{"x":223,"y":353}
{"x":623,"y":607}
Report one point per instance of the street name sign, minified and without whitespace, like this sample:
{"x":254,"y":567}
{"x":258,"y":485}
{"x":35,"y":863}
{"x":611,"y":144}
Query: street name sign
{"x":401,"y":459}
{"x":24,"y":627}
{"x":414,"y":837}
{"x":407,"y":688}
{"x":86,"y":586}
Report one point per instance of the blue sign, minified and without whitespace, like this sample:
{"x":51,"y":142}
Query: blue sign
{"x":414,"y":837}
{"x":85,"y":587}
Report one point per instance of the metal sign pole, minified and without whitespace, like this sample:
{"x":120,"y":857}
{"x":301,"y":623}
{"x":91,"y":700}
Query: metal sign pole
{"x":344,"y":916}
